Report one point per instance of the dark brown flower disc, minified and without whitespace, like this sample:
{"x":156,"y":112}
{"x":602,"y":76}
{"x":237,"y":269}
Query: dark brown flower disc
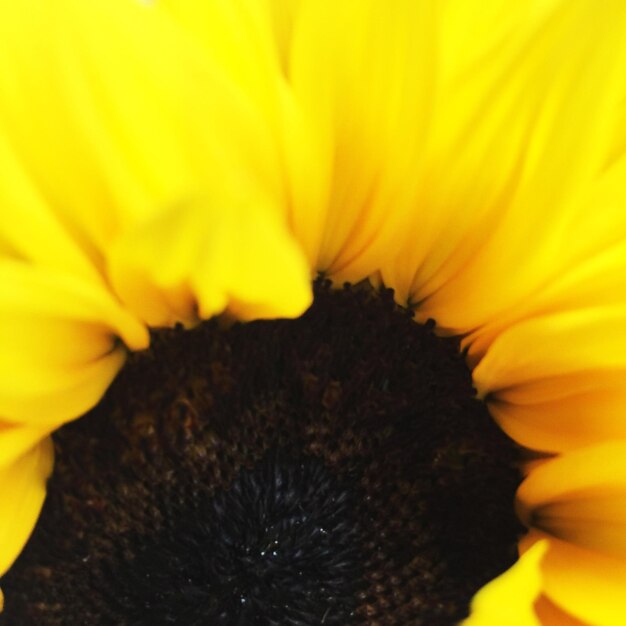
{"x":331,"y":470}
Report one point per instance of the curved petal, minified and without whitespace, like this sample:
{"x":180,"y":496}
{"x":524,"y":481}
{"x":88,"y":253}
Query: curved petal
{"x":584,"y":584}
{"x":190,"y":262}
{"x":61,"y":343}
{"x":580,"y":498}
{"x":570,"y":367}
{"x":17,"y":440}
{"x":509,"y":599}
{"x":242,"y":36}
{"x":139,"y":128}
{"x":590,"y":266}
{"x":23,"y":488}
{"x":573,"y":415}
{"x":32,"y":232}
{"x":353,"y":127}
{"x":543,"y":107}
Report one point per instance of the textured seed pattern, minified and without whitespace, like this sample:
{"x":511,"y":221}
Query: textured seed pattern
{"x":333,"y":470}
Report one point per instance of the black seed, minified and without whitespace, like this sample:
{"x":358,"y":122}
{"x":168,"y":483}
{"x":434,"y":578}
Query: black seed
{"x":331,"y":470}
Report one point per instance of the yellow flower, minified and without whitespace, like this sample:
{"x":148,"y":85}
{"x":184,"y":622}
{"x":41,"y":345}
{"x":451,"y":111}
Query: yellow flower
{"x":169,"y":161}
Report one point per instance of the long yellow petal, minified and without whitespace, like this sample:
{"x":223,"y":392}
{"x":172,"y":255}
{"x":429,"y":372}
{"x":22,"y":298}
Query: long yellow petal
{"x":590,"y":266}
{"x":521,"y":139}
{"x":15,"y":441}
{"x":140,"y":128}
{"x":193,"y":262}
{"x":62,"y":343}
{"x":570,"y":367}
{"x":573,"y":416}
{"x":509,"y":599}
{"x":31,"y":231}
{"x":360,"y":107}
{"x":241,"y":36}
{"x":580,"y":497}
{"x":23,"y":488}
{"x":583,"y":583}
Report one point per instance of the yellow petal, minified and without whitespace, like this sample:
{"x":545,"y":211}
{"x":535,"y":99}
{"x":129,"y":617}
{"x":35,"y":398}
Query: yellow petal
{"x":555,"y":345}
{"x":590,"y":266}
{"x":15,"y":441}
{"x":65,"y":158}
{"x":509,"y":599}
{"x":466,"y":169}
{"x":539,"y":109}
{"x":61,"y":343}
{"x":585,"y":584}
{"x":283,"y":14}
{"x":573,"y":416}
{"x":23,"y":488}
{"x":258,"y":265}
{"x":580,"y":497}
{"x":570,"y":367}
{"x":195,"y":261}
{"x":240,"y":35}
{"x":33,"y":232}
{"x":352,"y":137}
{"x":139,"y":127}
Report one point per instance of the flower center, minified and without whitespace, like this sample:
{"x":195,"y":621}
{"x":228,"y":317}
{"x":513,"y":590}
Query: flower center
{"x":334,"y":470}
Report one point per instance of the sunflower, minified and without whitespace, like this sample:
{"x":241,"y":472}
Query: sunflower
{"x":174,"y":168}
